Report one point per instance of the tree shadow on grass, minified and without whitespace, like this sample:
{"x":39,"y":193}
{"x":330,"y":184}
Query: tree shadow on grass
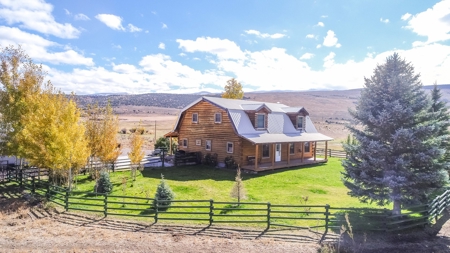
{"x":203,"y":172}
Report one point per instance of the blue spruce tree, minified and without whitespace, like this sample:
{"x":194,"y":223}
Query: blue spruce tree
{"x":398,"y":156}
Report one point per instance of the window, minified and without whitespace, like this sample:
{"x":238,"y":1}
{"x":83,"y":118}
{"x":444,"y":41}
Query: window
{"x":260,"y":121}
{"x":198,"y":142}
{"x":218,"y":117}
{"x":307,"y":149}
{"x":291,"y":148}
{"x":229,"y":147}
{"x":266,"y":150}
{"x":208,"y":145}
{"x":184,"y":143}
{"x":195,"y":118}
{"x":300,"y":123}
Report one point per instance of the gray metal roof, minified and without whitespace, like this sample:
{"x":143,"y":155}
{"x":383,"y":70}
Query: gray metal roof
{"x":279,"y":129}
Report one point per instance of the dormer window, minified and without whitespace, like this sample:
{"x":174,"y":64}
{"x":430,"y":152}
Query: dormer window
{"x":300,"y":123}
{"x":195,"y":118}
{"x":260,"y":121}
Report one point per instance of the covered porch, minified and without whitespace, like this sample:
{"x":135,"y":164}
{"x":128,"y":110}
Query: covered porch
{"x":275,"y":151}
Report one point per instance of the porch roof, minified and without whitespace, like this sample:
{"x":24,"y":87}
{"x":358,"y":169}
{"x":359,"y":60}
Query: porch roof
{"x":284,"y":138}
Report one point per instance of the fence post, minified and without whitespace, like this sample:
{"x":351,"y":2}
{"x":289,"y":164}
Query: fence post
{"x":385,"y":212}
{"x":211,"y":209}
{"x":47,"y":194}
{"x":105,"y":201}
{"x":156,"y":210}
{"x":327,"y":213}
{"x":21,"y":178}
{"x":268,"y":215}
{"x":329,"y":151}
{"x":33,"y":185}
{"x":67,"y":200}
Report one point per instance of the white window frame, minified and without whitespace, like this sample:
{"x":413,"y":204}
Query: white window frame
{"x":184,"y":143}
{"x":196,"y":115}
{"x":262,"y":150}
{"x":264,"y":122}
{"x":215,"y":117}
{"x":198,"y":142}
{"x":228,"y":147}
{"x":208,"y":143}
{"x":301,"y":119}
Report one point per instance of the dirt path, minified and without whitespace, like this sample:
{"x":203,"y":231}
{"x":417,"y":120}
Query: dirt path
{"x":25,"y":227}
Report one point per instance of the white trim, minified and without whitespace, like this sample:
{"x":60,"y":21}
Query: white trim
{"x":215,"y":118}
{"x":232,"y":147}
{"x":198,"y":142}
{"x":206,"y":145}
{"x":293,"y":145}
{"x":196,"y":114}
{"x":303,"y":123}
{"x":183,"y":142}
{"x":256,"y":121}
{"x":262,"y":151}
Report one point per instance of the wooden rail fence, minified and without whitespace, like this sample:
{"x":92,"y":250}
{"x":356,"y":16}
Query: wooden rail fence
{"x":323,"y":217}
{"x":332,"y":153}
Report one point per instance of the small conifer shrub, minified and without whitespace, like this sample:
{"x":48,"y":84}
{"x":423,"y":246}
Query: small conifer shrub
{"x":163,"y":192}
{"x":103,"y":184}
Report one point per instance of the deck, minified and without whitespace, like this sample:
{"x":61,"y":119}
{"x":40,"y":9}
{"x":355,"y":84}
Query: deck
{"x":283,"y":164}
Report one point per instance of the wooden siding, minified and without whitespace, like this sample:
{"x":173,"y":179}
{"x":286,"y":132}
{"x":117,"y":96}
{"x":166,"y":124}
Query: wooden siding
{"x":293,"y":118}
{"x":207,"y":129}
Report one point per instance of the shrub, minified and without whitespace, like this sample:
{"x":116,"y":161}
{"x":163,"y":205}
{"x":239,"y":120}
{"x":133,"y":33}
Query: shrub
{"x":123,"y":131}
{"x":132,"y":130}
{"x":103,"y":184}
{"x":140,"y":130}
{"x":230,"y":163}
{"x":210,"y":159}
{"x":163,"y":192}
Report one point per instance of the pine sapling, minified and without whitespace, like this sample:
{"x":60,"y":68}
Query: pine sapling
{"x":164,"y":195}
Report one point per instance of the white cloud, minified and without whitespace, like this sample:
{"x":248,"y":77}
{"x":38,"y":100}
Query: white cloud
{"x":222,"y":48}
{"x":310,"y":36}
{"x":38,"y":48}
{"x":406,"y":16}
{"x":116,"y":46}
{"x":162,"y":46}
{"x":81,"y":16}
{"x":112,"y":21}
{"x":384,"y":20}
{"x":67,"y":11}
{"x":330,"y":40}
{"x":265,"y":35}
{"x":164,"y":26}
{"x":324,"y":16}
{"x":321,"y":24}
{"x":133,"y":28}
{"x":35,"y":15}
{"x":328,"y":61}
{"x":319,"y":46}
{"x":306,"y":56}
{"x":182,"y":54}
{"x":434,"y":23}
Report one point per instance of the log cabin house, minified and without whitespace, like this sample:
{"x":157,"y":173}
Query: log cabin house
{"x":259,"y":136}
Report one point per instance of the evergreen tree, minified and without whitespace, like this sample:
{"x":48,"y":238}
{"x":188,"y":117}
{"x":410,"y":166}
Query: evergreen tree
{"x":440,"y":113}
{"x":163,"y":192}
{"x":398,"y":154}
{"x":103,"y":184}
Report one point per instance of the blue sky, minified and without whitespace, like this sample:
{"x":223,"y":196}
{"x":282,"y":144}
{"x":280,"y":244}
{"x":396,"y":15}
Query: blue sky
{"x":190,"y":46}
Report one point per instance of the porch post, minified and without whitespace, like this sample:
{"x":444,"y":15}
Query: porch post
{"x":303,"y":150}
{"x":289,"y":152}
{"x":315,"y":145}
{"x":170,"y":145}
{"x":326,"y":150}
{"x":273,"y":154}
{"x":256,"y":156}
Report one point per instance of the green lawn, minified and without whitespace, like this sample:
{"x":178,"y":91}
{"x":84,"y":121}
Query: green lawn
{"x":321,"y":183}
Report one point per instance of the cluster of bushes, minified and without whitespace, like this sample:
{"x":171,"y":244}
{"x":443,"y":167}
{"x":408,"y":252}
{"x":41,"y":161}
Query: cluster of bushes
{"x":230,"y":163}
{"x":210,"y":159}
{"x":139,"y":130}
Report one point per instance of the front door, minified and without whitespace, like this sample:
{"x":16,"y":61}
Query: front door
{"x":277,"y":152}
